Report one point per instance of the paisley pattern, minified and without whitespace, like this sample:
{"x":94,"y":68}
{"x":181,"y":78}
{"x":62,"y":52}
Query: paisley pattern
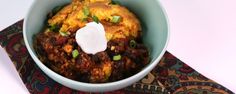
{"x":170,"y":76}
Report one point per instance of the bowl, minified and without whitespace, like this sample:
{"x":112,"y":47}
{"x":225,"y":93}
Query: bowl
{"x":155,"y":36}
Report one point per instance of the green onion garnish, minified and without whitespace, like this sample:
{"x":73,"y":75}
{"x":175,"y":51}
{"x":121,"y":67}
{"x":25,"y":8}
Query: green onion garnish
{"x":84,"y":19}
{"x":75,"y":53}
{"x":95,"y":19}
{"x":117,"y":57}
{"x":54,"y":28}
{"x":63,"y":33}
{"x":132,"y":44}
{"x":86,"y":11}
{"x":115,"y":19}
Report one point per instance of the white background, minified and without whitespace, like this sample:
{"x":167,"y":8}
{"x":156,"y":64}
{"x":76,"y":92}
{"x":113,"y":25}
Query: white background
{"x":203,"y":35}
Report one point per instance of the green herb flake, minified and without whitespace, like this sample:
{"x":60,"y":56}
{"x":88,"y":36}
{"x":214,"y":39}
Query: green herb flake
{"x":63,"y":33}
{"x":115,"y":19}
{"x":84,"y":19}
{"x":117,"y":57}
{"x":95,"y":19}
{"x":54,"y":28}
{"x":75,"y":53}
{"x":132,"y":44}
{"x":86,"y":11}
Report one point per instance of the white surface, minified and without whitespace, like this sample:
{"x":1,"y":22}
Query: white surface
{"x":203,"y":34}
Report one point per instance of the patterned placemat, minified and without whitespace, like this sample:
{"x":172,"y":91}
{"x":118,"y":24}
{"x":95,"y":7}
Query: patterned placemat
{"x":170,"y":76}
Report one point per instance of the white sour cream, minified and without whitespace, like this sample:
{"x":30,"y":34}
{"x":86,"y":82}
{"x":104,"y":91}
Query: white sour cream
{"x":91,"y":38}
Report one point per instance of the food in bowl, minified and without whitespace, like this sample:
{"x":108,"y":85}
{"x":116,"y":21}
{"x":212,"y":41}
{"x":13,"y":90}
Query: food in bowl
{"x":60,"y":47}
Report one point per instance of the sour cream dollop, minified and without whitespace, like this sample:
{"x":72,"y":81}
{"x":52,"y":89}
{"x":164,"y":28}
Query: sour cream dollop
{"x":91,"y":38}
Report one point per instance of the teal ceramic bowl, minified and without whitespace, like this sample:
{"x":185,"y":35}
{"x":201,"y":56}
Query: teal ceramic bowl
{"x":155,"y":29}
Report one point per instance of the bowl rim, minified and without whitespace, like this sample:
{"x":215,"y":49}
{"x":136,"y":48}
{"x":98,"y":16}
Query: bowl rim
{"x":57,"y":77}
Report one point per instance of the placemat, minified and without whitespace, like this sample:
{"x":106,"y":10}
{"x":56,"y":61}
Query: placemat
{"x":170,"y":76}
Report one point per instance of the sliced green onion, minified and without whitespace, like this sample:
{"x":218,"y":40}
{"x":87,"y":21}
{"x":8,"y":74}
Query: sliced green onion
{"x":95,"y":19}
{"x":117,"y":57}
{"x":115,"y":19}
{"x":132,"y":44}
{"x":63,"y":33}
{"x":75,"y":53}
{"x":86,"y":11}
{"x":48,"y":30}
{"x":56,"y":9}
{"x":85,"y":19}
{"x":54,"y":28}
